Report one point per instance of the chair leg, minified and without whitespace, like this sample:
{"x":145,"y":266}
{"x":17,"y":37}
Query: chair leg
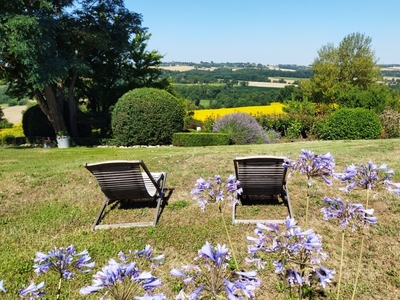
{"x":286,"y":198}
{"x":97,"y":221}
{"x":160,"y":198}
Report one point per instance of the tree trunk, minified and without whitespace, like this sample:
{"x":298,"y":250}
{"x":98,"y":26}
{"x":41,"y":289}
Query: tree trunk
{"x":72,"y":107}
{"x":51,"y":107}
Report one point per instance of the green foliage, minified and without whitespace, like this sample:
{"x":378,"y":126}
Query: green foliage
{"x":223,"y":96}
{"x":242,"y":129}
{"x":300,"y":116}
{"x":276,"y":122}
{"x":147,"y":116}
{"x":375,"y":97}
{"x":350,"y":124}
{"x":352,"y":63}
{"x":208,"y":124}
{"x":199,"y":139}
{"x":66,"y":51}
{"x":390,"y":120}
{"x":249,"y":73}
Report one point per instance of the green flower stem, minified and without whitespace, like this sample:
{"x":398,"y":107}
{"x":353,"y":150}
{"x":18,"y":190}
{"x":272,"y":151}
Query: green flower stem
{"x":59,"y":287}
{"x":341,"y":267}
{"x":307,"y":205}
{"x":359,"y":267}
{"x":230,"y":243}
{"x":361,"y":252}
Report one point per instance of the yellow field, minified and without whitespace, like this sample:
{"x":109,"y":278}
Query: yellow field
{"x":273,"y":108}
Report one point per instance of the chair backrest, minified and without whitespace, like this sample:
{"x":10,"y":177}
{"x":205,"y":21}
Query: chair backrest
{"x":260,"y":175}
{"x":120,"y":180}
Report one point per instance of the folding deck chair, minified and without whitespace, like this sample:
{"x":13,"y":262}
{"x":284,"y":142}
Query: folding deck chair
{"x":261,"y":176}
{"x":127,"y":180}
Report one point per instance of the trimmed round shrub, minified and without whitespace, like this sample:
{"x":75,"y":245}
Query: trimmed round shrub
{"x":241,"y":128}
{"x":350,"y":124}
{"x":147,"y":116}
{"x":35,"y":124}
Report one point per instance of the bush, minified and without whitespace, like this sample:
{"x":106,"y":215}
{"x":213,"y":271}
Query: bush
{"x":199,"y":139}
{"x":390,"y":120}
{"x":35,"y":124}
{"x":241,"y":128}
{"x":147,"y":116}
{"x":350,"y":124}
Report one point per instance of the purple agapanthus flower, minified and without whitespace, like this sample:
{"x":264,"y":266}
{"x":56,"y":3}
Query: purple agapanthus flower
{"x":367,"y":176}
{"x":298,"y":254}
{"x":348,"y":213}
{"x":63,"y":260}
{"x":123,"y":281}
{"x":215,"y":190}
{"x":145,"y":254}
{"x":211,"y":275}
{"x":2,"y":286}
{"x":312,"y":165}
{"x":32,"y":291}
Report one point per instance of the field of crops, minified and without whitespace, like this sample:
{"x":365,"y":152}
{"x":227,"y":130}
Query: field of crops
{"x":273,"y":108}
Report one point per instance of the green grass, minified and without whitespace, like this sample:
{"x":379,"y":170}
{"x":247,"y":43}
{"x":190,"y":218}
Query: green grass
{"x":205,"y":103}
{"x":48,"y":199}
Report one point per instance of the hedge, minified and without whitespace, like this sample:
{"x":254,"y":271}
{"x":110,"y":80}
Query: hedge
{"x":199,"y":139}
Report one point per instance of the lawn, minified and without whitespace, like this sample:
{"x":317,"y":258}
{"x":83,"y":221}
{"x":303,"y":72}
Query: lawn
{"x":48,"y":199}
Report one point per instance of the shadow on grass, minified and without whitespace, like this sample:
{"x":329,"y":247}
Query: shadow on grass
{"x":127,"y":204}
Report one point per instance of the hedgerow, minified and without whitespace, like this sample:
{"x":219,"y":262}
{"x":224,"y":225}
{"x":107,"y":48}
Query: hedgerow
{"x":350,"y":124}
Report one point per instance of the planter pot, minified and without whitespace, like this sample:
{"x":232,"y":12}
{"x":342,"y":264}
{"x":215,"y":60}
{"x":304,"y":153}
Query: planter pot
{"x":64,"y":142}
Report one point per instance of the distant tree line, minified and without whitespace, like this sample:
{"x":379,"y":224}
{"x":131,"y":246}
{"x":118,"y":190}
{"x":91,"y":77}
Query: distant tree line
{"x":245,"y":74}
{"x":227,"y":96}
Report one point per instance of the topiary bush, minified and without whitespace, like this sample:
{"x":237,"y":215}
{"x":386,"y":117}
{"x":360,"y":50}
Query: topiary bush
{"x":241,"y":128}
{"x":147,"y":116}
{"x":35,"y":124}
{"x":350,"y":124}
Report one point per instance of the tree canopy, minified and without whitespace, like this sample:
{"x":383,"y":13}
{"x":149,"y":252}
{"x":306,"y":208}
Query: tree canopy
{"x":62,"y":51}
{"x":351,"y":64}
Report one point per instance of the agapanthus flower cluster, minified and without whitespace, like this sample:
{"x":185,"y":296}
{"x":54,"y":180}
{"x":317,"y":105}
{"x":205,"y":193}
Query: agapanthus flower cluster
{"x":367,"y":176}
{"x":312,"y":165}
{"x":125,"y":280}
{"x":33,"y":291}
{"x":142,"y":256}
{"x":211,"y":277}
{"x":354,"y":215}
{"x":63,"y":260}
{"x":297,"y":254}
{"x":214,"y":190}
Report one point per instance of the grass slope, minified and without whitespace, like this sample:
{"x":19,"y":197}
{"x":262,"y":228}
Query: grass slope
{"x":48,"y":199}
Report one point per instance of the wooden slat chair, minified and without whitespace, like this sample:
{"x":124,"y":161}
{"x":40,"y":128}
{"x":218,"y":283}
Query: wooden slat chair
{"x":127,"y":180}
{"x":261,"y":176}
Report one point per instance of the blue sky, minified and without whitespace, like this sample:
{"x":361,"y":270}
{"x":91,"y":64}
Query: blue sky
{"x":266,"y":31}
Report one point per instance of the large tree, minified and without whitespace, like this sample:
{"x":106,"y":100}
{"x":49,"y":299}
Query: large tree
{"x":58,"y":50}
{"x":337,"y":70}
